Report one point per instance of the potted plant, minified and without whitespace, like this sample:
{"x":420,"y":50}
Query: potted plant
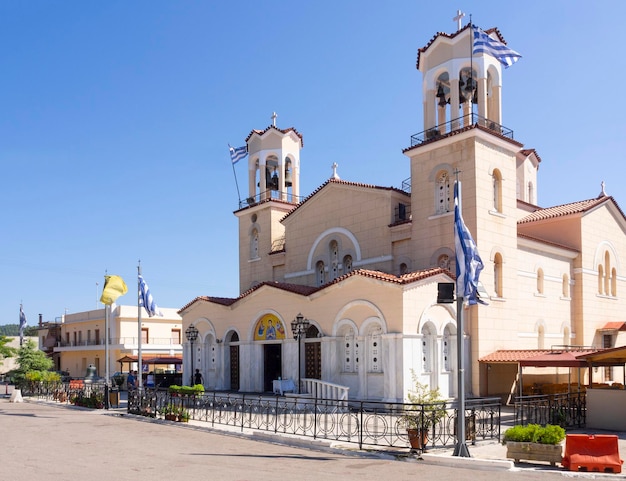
{"x":170,"y":412}
{"x":183,"y":416}
{"x":427,"y":408}
{"x":535,"y":443}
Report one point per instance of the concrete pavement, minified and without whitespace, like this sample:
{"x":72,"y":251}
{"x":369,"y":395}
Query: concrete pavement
{"x":484,"y":455}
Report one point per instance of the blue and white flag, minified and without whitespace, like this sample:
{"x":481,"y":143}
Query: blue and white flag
{"x":468,"y":263}
{"x":146,"y":300}
{"x":236,"y":154}
{"x":483,"y":43}
{"x":22,"y":324}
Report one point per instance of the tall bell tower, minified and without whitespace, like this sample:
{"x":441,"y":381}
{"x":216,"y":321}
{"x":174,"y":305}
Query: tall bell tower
{"x":273,"y":191}
{"x":464,"y":139}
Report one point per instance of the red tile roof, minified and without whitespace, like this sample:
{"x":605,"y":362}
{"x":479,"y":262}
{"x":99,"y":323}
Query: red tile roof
{"x":573,"y":208}
{"x":446,"y":35}
{"x":512,"y":355}
{"x":273,"y":127}
{"x":308,"y":290}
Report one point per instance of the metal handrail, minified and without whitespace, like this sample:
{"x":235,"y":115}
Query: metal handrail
{"x":457,"y":124}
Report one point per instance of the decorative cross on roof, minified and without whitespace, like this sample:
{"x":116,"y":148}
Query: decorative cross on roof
{"x":458,"y":18}
{"x":274,"y":115}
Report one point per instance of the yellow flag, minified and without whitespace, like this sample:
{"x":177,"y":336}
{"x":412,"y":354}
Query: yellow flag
{"x":114,"y":287}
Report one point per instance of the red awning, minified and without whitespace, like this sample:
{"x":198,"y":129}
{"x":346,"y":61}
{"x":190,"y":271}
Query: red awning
{"x":613,"y":326}
{"x":557,"y":359}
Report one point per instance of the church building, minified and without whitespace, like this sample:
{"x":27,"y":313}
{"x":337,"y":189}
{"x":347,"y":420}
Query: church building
{"x":356,"y":267}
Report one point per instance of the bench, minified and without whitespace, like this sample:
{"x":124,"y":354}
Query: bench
{"x":589,"y":452}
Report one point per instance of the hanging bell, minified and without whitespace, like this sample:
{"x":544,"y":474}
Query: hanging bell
{"x":288,"y":180}
{"x":470,"y":85}
{"x":462,"y":99}
{"x":440,"y":93}
{"x":274,"y":182}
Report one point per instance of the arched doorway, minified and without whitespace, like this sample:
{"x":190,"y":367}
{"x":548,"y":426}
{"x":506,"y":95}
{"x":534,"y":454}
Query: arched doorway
{"x":270,"y":330}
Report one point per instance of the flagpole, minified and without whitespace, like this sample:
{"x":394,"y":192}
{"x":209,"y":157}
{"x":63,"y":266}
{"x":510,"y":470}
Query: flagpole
{"x":107,"y":313}
{"x":139,"y":360}
{"x":470,"y":100}
{"x":461,"y":447}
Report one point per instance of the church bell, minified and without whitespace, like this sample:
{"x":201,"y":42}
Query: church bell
{"x":288,"y":179}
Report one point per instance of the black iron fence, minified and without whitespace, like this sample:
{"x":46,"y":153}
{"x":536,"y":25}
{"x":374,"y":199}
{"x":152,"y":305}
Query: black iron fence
{"x":564,"y":409}
{"x":365,"y":423}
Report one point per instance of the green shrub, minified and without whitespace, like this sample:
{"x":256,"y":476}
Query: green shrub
{"x":534,"y":433}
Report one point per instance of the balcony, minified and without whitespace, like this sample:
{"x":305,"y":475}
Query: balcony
{"x":122,"y":341}
{"x":471,"y":120}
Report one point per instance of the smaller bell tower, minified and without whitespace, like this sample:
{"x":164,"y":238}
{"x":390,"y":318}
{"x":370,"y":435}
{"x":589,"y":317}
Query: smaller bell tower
{"x":274,"y":164}
{"x":273,"y":191}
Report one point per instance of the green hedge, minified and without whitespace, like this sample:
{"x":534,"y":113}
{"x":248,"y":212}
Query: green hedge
{"x":187,"y":390}
{"x":534,"y":433}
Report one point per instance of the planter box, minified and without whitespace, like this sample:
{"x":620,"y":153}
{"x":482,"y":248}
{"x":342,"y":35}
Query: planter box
{"x":552,"y":453}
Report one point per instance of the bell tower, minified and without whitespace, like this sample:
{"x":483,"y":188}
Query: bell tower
{"x":273,"y":191}
{"x":273,"y":164}
{"x":459,"y":87}
{"x":464,"y":138}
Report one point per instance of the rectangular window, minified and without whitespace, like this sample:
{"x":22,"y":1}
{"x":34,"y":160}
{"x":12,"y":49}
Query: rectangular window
{"x":144,"y":335}
{"x":176,"y":336}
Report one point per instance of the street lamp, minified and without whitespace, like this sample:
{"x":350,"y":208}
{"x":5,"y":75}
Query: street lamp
{"x":298,"y":327}
{"x":192,"y":334}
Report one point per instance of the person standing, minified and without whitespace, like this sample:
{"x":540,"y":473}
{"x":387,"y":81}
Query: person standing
{"x":197,"y":377}
{"x":131,"y":381}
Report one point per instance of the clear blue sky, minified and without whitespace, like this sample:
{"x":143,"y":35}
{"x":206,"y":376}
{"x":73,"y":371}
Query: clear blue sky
{"x":116,"y":115}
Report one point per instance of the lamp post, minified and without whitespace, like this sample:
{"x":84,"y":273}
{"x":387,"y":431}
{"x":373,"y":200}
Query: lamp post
{"x":192,"y":334}
{"x":298,"y":327}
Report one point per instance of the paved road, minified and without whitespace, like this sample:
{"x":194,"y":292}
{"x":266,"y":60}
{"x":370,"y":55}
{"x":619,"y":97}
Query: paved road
{"x":41,"y":442}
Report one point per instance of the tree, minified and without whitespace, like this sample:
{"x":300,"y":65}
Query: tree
{"x":6,"y":351}
{"x":29,"y":358}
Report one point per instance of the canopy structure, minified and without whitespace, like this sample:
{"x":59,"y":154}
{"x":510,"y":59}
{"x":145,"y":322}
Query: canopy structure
{"x":557,"y":359}
{"x":152,"y":359}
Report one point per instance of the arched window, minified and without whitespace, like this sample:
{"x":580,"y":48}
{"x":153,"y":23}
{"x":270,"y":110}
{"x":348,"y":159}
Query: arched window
{"x":540,"y":281}
{"x":614,"y":282}
{"x":254,"y":244}
{"x":347,"y":264}
{"x":333,"y":249}
{"x":403,"y":268}
{"x":443,"y":261}
{"x":497,"y":275}
{"x":445,"y":349}
{"x":320,"y":271}
{"x":349,"y":351}
{"x":600,"y":279}
{"x":374,"y":347}
{"x":540,"y":337}
{"x":565,"y":286}
{"x":427,"y":349}
{"x":566,"y":336}
{"x":442,"y":193}
{"x":607,"y":273}
{"x":497,"y":190}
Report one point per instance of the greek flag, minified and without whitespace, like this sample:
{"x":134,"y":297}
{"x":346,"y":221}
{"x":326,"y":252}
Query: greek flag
{"x":22,"y":324}
{"x":239,"y":153}
{"x":483,"y":43}
{"x":146,"y":300}
{"x":468,"y":262}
